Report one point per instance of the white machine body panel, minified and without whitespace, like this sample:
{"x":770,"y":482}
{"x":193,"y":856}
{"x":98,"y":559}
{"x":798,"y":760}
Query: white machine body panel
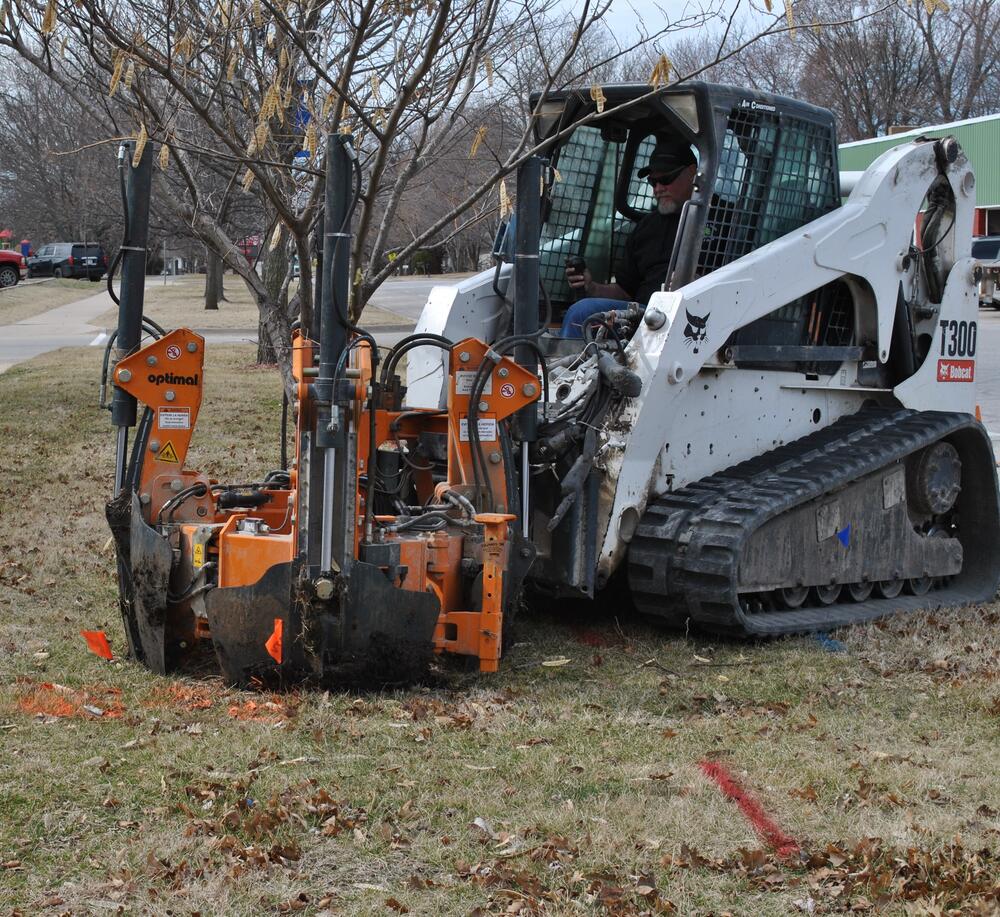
{"x":469,"y":308}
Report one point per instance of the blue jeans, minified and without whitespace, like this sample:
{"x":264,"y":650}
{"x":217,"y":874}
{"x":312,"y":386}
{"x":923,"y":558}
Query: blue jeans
{"x":579,"y":312}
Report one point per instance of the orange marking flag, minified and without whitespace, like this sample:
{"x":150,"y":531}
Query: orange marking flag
{"x":273,"y":645}
{"x":98,"y":643}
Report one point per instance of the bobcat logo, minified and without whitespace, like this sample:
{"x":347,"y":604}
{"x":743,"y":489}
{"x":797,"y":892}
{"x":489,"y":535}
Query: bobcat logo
{"x":694,"y":330}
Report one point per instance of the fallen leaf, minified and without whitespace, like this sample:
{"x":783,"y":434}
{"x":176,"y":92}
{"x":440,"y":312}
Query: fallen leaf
{"x":483,"y":825}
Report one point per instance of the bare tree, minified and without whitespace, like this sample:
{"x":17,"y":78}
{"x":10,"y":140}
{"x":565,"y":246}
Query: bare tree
{"x":234,"y":92}
{"x":963,"y":55}
{"x":872,"y":73}
{"x":45,"y":195}
{"x":889,"y":62}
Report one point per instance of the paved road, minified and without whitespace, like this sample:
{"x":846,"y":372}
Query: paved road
{"x":405,"y":296}
{"x":988,"y":367}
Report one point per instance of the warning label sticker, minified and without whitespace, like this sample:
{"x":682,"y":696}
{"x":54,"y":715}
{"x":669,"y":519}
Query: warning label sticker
{"x":464,"y":379}
{"x":168,"y":454}
{"x":198,"y":554}
{"x":174,"y":418}
{"x":487,"y":427}
{"x":956,"y":370}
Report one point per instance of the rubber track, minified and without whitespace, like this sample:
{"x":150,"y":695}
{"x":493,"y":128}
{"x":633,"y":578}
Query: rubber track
{"x":684,"y":558}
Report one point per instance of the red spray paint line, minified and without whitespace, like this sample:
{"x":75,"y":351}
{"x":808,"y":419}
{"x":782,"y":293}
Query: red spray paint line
{"x":765,"y":826}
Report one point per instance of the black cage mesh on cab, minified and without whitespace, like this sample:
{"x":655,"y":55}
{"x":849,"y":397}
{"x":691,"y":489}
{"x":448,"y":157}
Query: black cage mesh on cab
{"x":776,"y":172}
{"x":582,"y":219}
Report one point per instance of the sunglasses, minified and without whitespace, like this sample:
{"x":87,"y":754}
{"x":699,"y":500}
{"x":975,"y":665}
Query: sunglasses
{"x":665,"y":179}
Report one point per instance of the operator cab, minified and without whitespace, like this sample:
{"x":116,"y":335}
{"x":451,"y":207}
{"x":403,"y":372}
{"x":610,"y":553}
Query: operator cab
{"x":766,"y":165}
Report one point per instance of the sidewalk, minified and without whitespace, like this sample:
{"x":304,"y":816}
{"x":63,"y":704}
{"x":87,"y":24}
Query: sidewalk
{"x":63,"y":326}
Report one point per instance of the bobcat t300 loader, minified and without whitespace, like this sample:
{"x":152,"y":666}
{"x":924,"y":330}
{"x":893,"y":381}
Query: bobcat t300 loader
{"x":783,"y":439}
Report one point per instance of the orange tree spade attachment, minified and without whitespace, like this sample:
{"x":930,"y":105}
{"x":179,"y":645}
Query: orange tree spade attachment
{"x":391,"y":535}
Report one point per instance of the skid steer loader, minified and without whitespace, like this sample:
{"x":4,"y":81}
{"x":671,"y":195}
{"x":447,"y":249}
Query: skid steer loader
{"x":782,"y":440}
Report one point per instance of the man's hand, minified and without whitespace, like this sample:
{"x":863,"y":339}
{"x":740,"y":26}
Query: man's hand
{"x":580,"y":281}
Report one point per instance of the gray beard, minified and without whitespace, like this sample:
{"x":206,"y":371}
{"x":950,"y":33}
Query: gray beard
{"x":665,"y":208}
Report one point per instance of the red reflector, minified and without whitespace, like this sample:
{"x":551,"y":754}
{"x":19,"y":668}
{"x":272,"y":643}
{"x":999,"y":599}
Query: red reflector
{"x":69,"y":260}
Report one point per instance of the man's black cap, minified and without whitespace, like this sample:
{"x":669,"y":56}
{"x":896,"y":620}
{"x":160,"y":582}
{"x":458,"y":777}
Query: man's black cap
{"x":668,"y":159}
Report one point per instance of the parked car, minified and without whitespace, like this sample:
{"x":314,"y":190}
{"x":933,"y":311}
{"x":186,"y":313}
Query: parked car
{"x":986,"y":250}
{"x":12,"y":267}
{"x":69,"y":259}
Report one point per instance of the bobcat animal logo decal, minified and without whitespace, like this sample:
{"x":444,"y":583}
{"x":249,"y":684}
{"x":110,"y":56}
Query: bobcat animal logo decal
{"x":694,"y":330}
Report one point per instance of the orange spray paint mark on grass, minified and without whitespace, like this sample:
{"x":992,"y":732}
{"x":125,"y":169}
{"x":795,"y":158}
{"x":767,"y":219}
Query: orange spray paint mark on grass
{"x":187,"y":697}
{"x":272,"y":711}
{"x":48,"y":699}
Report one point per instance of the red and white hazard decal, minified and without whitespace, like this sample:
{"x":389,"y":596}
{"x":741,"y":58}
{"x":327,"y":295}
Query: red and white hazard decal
{"x":173,"y":352}
{"x":507,"y":390}
{"x":956,"y":370}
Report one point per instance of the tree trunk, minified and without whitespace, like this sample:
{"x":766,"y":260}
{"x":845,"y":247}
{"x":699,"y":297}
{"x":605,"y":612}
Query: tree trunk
{"x":275,"y":266}
{"x":274,"y":341}
{"x":214,"y":291}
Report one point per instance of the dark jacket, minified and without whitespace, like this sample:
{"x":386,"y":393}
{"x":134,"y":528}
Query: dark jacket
{"x":643,"y":267}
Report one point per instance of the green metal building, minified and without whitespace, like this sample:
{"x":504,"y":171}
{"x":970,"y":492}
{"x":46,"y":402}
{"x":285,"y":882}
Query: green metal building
{"x":979,"y":137}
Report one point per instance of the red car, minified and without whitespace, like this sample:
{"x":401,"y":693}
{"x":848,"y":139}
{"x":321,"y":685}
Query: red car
{"x":13,"y":267}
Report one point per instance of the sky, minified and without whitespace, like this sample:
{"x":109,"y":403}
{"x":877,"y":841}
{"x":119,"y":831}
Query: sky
{"x":623,"y":14}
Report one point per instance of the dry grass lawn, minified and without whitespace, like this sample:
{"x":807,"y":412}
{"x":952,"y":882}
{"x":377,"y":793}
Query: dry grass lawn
{"x":180,"y":303}
{"x":26,"y":300}
{"x":571,"y":788}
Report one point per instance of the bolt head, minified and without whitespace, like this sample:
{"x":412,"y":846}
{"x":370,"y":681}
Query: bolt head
{"x":145,"y":499}
{"x":151,"y":360}
{"x":484,"y":406}
{"x":495,"y":458}
{"x":170,"y":396}
{"x":503,"y":372}
{"x":529,"y":389}
{"x":324,"y":588}
{"x":654,"y":318}
{"x":176,"y":485}
{"x":124,"y":375}
{"x":154,"y":445}
{"x":464,"y":356}
{"x":192,"y":347}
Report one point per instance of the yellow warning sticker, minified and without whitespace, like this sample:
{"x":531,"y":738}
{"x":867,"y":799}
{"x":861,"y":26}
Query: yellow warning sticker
{"x":168,"y":454}
{"x":198,"y":555}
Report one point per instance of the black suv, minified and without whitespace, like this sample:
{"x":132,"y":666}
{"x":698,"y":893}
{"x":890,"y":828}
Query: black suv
{"x":69,"y":259}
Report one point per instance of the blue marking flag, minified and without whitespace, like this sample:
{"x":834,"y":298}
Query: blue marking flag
{"x":829,"y":644}
{"x":845,"y":535}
